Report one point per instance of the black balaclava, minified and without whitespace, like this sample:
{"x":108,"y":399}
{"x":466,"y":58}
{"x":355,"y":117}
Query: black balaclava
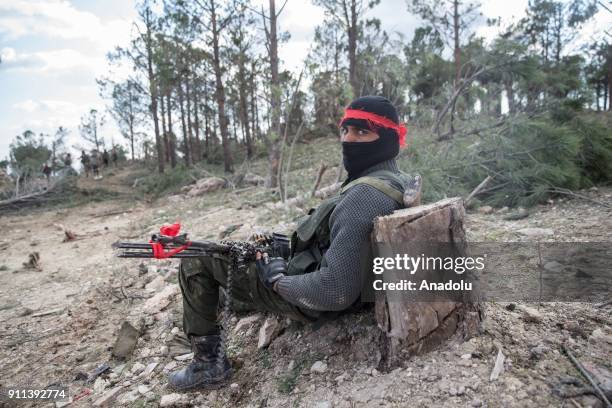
{"x":358,"y":156}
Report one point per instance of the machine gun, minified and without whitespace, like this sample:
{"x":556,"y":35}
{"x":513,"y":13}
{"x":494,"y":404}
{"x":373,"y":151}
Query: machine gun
{"x":169,"y":244}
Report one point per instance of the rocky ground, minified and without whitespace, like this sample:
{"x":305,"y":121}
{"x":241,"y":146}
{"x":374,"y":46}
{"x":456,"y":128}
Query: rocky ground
{"x":60,"y":318}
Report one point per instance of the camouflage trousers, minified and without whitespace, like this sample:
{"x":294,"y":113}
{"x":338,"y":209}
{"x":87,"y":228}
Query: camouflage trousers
{"x":200,"y":280}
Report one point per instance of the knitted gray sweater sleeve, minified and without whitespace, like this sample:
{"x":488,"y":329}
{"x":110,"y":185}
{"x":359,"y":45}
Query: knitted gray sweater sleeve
{"x":338,"y":285}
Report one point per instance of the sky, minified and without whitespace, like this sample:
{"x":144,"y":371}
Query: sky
{"x":52,"y":51}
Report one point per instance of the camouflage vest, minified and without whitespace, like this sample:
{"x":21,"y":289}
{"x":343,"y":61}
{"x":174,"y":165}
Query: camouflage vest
{"x":311,"y":239}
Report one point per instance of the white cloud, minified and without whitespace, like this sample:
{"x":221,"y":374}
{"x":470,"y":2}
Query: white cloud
{"x":62,"y":60}
{"x":59,"y":19}
{"x":11,"y":60}
{"x":55,"y":108}
{"x":27,"y":106}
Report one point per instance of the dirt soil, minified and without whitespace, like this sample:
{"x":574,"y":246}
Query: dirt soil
{"x":59,"y":322}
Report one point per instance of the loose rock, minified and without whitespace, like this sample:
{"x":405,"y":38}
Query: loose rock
{"x":246,"y":322}
{"x":530,"y":314}
{"x":149,"y":369}
{"x":172,"y":400}
{"x":318,"y":367}
{"x":156,"y":284}
{"x":100,"y":385}
{"x":268,"y":332}
{"x":126,"y":341}
{"x":161,"y":299}
{"x":485,"y":209}
{"x":598,"y":336}
{"x":535,"y":232}
{"x":137,"y":368}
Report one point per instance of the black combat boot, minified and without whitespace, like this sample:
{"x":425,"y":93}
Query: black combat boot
{"x":208,"y":369}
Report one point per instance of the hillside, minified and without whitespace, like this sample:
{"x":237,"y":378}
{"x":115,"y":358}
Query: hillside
{"x":60,"y":323}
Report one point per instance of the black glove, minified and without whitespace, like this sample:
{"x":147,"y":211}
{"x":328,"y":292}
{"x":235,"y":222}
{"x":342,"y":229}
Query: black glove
{"x":270,"y":270}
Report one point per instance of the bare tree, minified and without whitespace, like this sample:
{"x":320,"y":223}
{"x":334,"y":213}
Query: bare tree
{"x":90,"y":125}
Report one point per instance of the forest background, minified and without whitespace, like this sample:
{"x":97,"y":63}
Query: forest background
{"x":200,"y":86}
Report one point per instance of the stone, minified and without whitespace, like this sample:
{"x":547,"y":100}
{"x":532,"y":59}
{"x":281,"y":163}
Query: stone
{"x":268,"y":332}
{"x":291,"y":365}
{"x":530,"y":314}
{"x":129,"y":397}
{"x":170,"y":366}
{"x":554,"y":266}
{"x":466,"y":356}
{"x":253,"y":179}
{"x":341,"y":378}
{"x":598,"y":336}
{"x":206,"y":185}
{"x":538,"y":351}
{"x":516,"y":215}
{"x":535,"y":231}
{"x":485,"y":209}
{"x":126,"y":341}
{"x":212,"y":396}
{"x":319,"y":367}
{"x":573,"y":326}
{"x":149,"y":369}
{"x":513,"y":384}
{"x":143,"y":389}
{"x":246,"y":322}
{"x":108,"y":397}
{"x":156,"y":284}
{"x":323,"y":404}
{"x":590,"y":401}
{"x":137,"y":368}
{"x":476,"y":403}
{"x":160,"y":300}
{"x":173,"y":400}
{"x":174,"y":199}
{"x":100,"y":385}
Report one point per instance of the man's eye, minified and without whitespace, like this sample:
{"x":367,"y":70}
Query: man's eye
{"x":343,"y":130}
{"x":363,"y":132}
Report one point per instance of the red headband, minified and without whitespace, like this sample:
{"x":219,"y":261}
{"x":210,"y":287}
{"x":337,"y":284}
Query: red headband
{"x":379,"y":121}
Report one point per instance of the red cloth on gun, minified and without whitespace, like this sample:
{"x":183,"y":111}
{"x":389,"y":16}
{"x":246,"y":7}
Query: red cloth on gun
{"x":159,"y":249}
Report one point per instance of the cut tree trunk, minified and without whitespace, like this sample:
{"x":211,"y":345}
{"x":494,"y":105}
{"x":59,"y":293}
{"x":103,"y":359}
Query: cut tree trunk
{"x":413,"y":327}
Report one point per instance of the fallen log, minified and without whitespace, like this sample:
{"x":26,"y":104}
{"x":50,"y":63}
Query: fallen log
{"x":53,"y":191}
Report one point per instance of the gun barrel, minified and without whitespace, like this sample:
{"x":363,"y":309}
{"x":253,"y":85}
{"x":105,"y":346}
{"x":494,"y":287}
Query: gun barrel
{"x":127,"y":254}
{"x":137,"y":245}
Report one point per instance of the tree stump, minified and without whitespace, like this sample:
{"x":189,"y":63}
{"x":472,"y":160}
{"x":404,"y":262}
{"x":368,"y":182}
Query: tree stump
{"x":410,"y":326}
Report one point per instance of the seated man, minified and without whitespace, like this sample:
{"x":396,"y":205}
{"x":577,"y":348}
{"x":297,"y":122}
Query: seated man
{"x":324,"y":269}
